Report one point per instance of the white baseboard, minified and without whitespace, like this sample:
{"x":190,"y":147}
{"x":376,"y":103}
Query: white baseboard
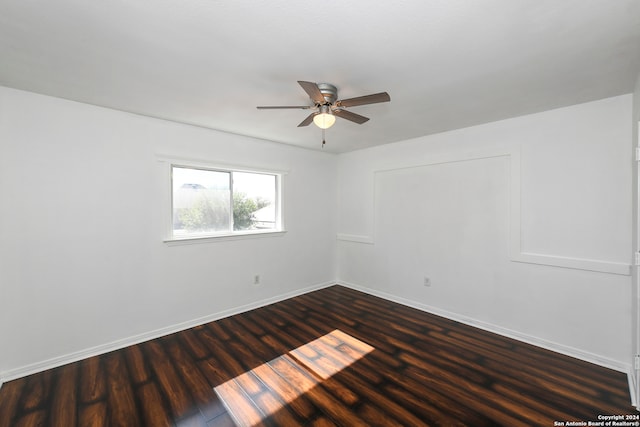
{"x":632,"y":389}
{"x":529,"y":339}
{"x":55,"y":362}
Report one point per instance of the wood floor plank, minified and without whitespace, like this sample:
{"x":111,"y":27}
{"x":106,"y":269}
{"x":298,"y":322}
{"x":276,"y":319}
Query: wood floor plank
{"x":92,"y":380}
{"x":241,"y":408}
{"x":323,"y":422}
{"x":468,"y":369}
{"x":357,"y":379}
{"x":468,"y":399}
{"x":192,"y":343}
{"x":121,"y":406}
{"x":169,"y":380}
{"x":544,"y":377}
{"x":10,"y":394}
{"x":249,"y":343}
{"x":217,"y":330}
{"x":331,"y":357}
{"x":227,"y":360}
{"x":290,"y":371}
{"x":369,"y":392}
{"x":285,"y":391}
{"x":138,"y":366}
{"x":197,"y":384}
{"x":31,"y":419}
{"x":435,"y":396}
{"x":64,"y":404}
{"x":214,"y":371}
{"x":278,"y":412}
{"x":93,"y":415}
{"x":154,"y":409}
{"x":36,"y":391}
{"x":250,"y":383}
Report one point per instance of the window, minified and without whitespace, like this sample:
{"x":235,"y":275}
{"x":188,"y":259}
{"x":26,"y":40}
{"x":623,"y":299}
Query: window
{"x":216,"y":202}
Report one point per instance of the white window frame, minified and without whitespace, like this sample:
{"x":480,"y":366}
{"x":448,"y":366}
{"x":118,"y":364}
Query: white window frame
{"x":170,"y":162}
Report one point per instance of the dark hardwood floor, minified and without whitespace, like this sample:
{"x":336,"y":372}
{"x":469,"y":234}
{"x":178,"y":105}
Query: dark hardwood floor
{"x":331,"y":357}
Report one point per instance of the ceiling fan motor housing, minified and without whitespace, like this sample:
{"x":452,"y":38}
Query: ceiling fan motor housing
{"x":329,"y":91}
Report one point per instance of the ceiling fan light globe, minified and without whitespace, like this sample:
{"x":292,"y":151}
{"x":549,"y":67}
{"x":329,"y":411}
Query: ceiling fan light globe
{"x":324,"y":120}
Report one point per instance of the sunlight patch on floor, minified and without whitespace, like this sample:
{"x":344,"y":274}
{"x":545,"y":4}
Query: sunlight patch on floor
{"x":256,"y":394}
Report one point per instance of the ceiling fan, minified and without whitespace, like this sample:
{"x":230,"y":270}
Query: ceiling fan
{"x":327,"y":107}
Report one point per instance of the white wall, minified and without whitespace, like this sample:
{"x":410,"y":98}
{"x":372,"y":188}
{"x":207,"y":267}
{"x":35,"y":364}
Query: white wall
{"x":523,"y":226}
{"x":82,"y":262}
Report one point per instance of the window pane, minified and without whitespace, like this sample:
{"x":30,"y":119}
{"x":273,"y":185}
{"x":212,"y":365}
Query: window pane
{"x":254,"y":201}
{"x":201,"y":202}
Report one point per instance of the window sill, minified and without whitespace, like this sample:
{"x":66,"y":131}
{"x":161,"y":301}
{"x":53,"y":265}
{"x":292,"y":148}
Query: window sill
{"x":223,"y":237}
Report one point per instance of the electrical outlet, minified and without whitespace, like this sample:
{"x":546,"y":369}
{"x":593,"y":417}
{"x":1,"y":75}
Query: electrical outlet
{"x":427,"y":281}
{"x":256,"y":279}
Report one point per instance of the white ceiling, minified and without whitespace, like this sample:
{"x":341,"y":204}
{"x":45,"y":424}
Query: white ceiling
{"x":447,"y":64}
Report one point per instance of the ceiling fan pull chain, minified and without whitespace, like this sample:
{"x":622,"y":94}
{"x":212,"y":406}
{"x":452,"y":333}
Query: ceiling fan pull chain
{"x":323,"y":142}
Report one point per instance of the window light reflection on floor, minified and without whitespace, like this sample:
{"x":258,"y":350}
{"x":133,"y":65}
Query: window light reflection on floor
{"x":254,"y":395}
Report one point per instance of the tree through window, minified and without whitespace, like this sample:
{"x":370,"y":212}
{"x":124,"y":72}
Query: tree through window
{"x":208,"y":202}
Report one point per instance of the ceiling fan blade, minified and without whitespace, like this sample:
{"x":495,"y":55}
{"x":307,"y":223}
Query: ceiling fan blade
{"x":308,"y":120}
{"x":357,"y":118}
{"x":280,"y":107}
{"x":363,"y":100}
{"x":313,"y":91}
